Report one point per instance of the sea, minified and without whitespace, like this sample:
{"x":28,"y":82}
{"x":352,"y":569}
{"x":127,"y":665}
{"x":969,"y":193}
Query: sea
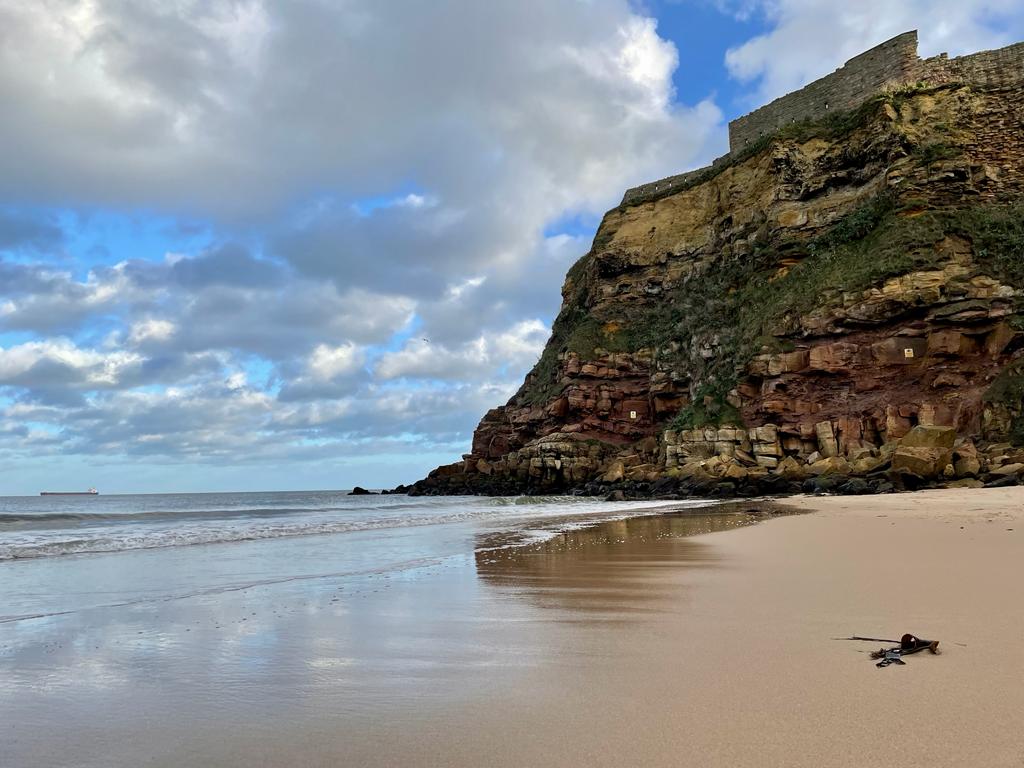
{"x":60,"y":554}
{"x":309,"y":628}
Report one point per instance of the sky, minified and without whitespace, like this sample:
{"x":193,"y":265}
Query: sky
{"x":253,"y":245}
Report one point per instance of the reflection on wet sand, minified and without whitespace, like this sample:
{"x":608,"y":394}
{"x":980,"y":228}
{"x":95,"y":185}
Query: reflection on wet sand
{"x":605,"y":572}
{"x":363,"y":671}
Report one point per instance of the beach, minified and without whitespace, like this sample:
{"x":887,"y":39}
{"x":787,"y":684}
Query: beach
{"x":669,"y":639}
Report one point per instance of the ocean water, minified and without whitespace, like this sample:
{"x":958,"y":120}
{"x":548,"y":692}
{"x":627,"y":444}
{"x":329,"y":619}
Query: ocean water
{"x":65,"y":554}
{"x":310,"y":628}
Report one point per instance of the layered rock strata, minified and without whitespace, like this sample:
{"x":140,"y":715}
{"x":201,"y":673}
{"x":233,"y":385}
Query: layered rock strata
{"x":843,"y":301}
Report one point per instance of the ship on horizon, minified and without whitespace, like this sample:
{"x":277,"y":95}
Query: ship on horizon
{"x":90,"y":492}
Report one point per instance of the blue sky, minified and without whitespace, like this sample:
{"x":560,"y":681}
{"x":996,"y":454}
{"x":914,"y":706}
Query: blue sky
{"x":249,"y":245}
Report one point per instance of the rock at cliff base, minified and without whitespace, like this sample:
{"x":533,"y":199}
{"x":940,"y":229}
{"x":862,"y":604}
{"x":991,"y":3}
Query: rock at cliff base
{"x":925,"y":451}
{"x":967,"y":482}
{"x":834,"y":465}
{"x":856,"y":487}
{"x":736,"y":472}
{"x":967,"y":466}
{"x":791,"y":469}
{"x":614,"y":473}
{"x":923,"y":462}
{"x":1007,"y":469}
{"x":929,"y":437}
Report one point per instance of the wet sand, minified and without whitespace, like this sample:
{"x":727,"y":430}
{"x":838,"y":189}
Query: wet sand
{"x":632,"y":643}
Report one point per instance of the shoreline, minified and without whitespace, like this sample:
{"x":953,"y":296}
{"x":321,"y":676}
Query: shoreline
{"x":740,"y":667}
{"x":648,"y":640}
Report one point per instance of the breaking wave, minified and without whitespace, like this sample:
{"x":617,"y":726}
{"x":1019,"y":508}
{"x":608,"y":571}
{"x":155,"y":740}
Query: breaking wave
{"x":31,"y":534}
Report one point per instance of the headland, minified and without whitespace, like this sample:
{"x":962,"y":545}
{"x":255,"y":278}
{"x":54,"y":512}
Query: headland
{"x":836,"y":304}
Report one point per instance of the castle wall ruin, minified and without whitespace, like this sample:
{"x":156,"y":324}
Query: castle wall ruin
{"x":887,"y":66}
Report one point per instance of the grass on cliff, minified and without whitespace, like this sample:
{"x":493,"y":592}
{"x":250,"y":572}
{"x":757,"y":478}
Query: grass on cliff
{"x":710,"y":326}
{"x":709,"y":408}
{"x":834,"y":126}
{"x":1008,"y":391}
{"x":867,"y":247}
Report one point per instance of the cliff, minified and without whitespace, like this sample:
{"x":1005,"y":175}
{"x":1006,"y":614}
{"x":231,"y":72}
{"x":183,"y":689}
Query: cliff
{"x":837,"y":303}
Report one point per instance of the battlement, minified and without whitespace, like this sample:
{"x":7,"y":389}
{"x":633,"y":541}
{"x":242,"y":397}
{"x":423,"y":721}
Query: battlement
{"x":890,"y":65}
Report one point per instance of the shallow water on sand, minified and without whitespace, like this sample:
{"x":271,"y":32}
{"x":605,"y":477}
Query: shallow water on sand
{"x":62,"y":554}
{"x":232,"y":652}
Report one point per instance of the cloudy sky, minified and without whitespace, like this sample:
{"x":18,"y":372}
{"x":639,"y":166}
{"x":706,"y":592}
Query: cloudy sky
{"x":271,"y":245}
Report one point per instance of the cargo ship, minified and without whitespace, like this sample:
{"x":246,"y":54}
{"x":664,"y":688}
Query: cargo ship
{"x":90,"y":492}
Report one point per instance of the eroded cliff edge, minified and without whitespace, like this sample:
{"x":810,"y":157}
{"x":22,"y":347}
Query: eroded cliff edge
{"x":843,"y":298}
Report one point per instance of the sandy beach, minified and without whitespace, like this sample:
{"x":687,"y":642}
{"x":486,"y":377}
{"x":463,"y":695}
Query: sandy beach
{"x":656,"y":641}
{"x":737,"y":667}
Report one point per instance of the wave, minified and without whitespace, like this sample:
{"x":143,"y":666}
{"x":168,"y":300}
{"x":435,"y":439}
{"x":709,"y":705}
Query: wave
{"x":23,"y":520}
{"x":139,"y":537}
{"x":51,"y":519}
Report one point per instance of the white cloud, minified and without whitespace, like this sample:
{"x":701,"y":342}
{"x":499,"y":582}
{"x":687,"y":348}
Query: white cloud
{"x":327,"y":363}
{"x":60,"y":362}
{"x":151,"y":329}
{"x":810,"y":38}
{"x":516,"y":348}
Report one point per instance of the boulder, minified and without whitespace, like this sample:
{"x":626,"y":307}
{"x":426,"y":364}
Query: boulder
{"x":967,"y":466}
{"x":357,"y":491}
{"x":860,"y":452}
{"x":856,"y":487}
{"x":834,"y":465}
{"x":827,"y":443}
{"x":1007,"y":469}
{"x":929,"y":437}
{"x":827,"y":483}
{"x":791,"y":469}
{"x":736,"y":472}
{"x":923,"y":462}
{"x":745,"y":458}
{"x":615,"y":472}
{"x":691,"y":469}
{"x":925,"y":451}
{"x":866,"y":465}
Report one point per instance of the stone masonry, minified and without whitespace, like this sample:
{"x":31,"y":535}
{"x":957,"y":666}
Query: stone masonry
{"x":888,"y":66}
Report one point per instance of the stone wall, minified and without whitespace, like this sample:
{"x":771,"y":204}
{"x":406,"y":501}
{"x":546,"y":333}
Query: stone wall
{"x":1001,"y":68}
{"x":892,"y":64}
{"x":886,"y":66}
{"x":669,"y":185}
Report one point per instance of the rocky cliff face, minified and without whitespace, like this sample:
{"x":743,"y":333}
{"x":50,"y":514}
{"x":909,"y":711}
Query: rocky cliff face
{"x":841,"y":299}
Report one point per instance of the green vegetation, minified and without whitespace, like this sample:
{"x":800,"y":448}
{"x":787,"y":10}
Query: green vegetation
{"x":708,"y":409}
{"x":997,"y":233}
{"x":929,"y":154}
{"x":745,"y":303}
{"x":1008,"y":390}
{"x":834,"y":127}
